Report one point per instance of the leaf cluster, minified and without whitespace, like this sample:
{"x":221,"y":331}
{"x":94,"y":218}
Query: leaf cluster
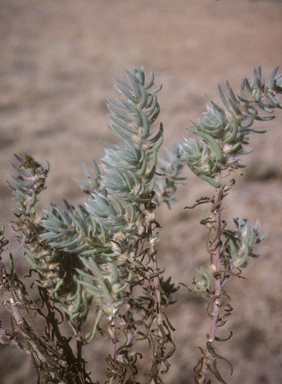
{"x":225,"y":131}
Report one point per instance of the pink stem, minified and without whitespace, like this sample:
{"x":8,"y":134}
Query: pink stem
{"x":216,"y":304}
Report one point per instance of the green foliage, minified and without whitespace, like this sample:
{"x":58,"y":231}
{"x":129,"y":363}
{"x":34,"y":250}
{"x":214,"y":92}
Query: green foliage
{"x":100,"y":257}
{"x":225,"y":131}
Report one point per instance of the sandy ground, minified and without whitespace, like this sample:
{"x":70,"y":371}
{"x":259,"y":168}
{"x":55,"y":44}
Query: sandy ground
{"x":58,"y":59}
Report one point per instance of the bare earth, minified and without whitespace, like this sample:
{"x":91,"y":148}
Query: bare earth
{"x":58,"y":59}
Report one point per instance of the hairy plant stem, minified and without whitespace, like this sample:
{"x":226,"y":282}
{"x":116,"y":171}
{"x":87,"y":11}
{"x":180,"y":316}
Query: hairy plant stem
{"x":217,"y":296}
{"x":79,"y":345}
{"x":157,"y":287}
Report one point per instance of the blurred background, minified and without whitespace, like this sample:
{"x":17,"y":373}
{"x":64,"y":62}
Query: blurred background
{"x":58,"y":59}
